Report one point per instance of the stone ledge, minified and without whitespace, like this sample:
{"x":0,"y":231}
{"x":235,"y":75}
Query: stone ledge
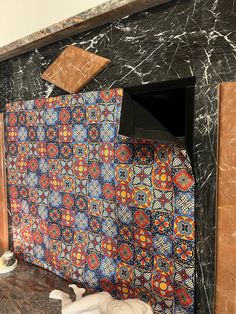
{"x":99,"y":15}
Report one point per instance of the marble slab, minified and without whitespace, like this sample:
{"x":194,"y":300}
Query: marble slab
{"x":26,"y":290}
{"x":178,"y":39}
{"x":99,"y":15}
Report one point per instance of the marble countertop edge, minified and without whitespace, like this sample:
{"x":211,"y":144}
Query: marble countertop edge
{"x":94,"y":17}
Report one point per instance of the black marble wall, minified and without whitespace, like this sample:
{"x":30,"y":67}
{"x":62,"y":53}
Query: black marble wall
{"x":175,"y":40}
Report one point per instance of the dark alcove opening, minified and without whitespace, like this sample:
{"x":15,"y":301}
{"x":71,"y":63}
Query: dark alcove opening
{"x":159,"y":111}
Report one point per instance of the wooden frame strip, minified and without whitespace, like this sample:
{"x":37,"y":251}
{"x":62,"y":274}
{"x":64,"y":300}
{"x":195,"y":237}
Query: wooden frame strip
{"x":226,"y":215}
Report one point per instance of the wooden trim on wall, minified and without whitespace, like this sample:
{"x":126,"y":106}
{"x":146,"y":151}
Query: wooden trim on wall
{"x":226,"y":208}
{"x":3,"y":190}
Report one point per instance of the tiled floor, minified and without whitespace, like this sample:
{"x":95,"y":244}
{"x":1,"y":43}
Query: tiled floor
{"x":26,"y":290}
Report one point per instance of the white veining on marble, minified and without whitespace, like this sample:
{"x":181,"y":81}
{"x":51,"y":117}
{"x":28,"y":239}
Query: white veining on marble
{"x":182,"y":39}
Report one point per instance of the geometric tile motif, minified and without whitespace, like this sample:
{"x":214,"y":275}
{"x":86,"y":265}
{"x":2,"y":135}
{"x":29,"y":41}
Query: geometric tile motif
{"x":163,"y":154}
{"x":107,"y":172}
{"x":110,"y":212}
{"x":142,"y":278}
{"x":107,"y":132}
{"x":108,"y":209}
{"x":145,"y":296}
{"x":11,"y":163}
{"x":93,"y":149}
{"x":124,"y":214}
{"x":123,"y":173}
{"x":142,"y":197}
{"x":184,"y":251}
{"x":163,"y":200}
{"x":184,"y":203}
{"x":125,"y":233}
{"x":125,"y":252}
{"x":162,"y":178}
{"x":108,"y":268}
{"x":66,"y":150}
{"x":94,"y":242}
{"x":142,"y":175}
{"x":180,"y":158}
{"x":124,"y":194}
{"x":184,"y":227}
{"x":92,"y":114}
{"x":162,"y":244}
{"x":184,"y":275}
{"x":109,"y":247}
{"x":64,"y":116}
{"x":163,"y":285}
{"x":141,"y":218}
{"x":163,"y":265}
{"x":185,"y":297}
{"x":125,"y":290}
{"x":162,"y":223}
{"x":165,"y":306}
{"x":123,"y":153}
{"x":66,"y":167}
{"x":143,"y":238}
{"x":143,"y":258}
{"x":80,"y":151}
{"x":143,"y":154}
{"x":183,"y":180}
{"x":107,"y":112}
{"x":124,"y":272}
{"x":108,"y":96}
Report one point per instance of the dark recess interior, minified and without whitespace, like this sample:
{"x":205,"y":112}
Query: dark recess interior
{"x":169,"y":107}
{"x":169,"y":103}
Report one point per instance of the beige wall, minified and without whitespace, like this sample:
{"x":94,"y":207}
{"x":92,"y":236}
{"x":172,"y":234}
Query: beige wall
{"x":23,"y":17}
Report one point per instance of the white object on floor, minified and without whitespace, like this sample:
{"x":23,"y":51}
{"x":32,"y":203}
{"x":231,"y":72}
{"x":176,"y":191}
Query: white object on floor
{"x":8,"y":262}
{"x":98,"y":303}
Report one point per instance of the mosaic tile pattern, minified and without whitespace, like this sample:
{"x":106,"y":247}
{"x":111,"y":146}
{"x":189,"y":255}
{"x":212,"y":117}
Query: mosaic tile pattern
{"x":112,"y":213}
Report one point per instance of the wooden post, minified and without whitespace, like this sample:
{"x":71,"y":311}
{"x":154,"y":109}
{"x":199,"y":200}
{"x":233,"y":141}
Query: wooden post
{"x":3,"y":190}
